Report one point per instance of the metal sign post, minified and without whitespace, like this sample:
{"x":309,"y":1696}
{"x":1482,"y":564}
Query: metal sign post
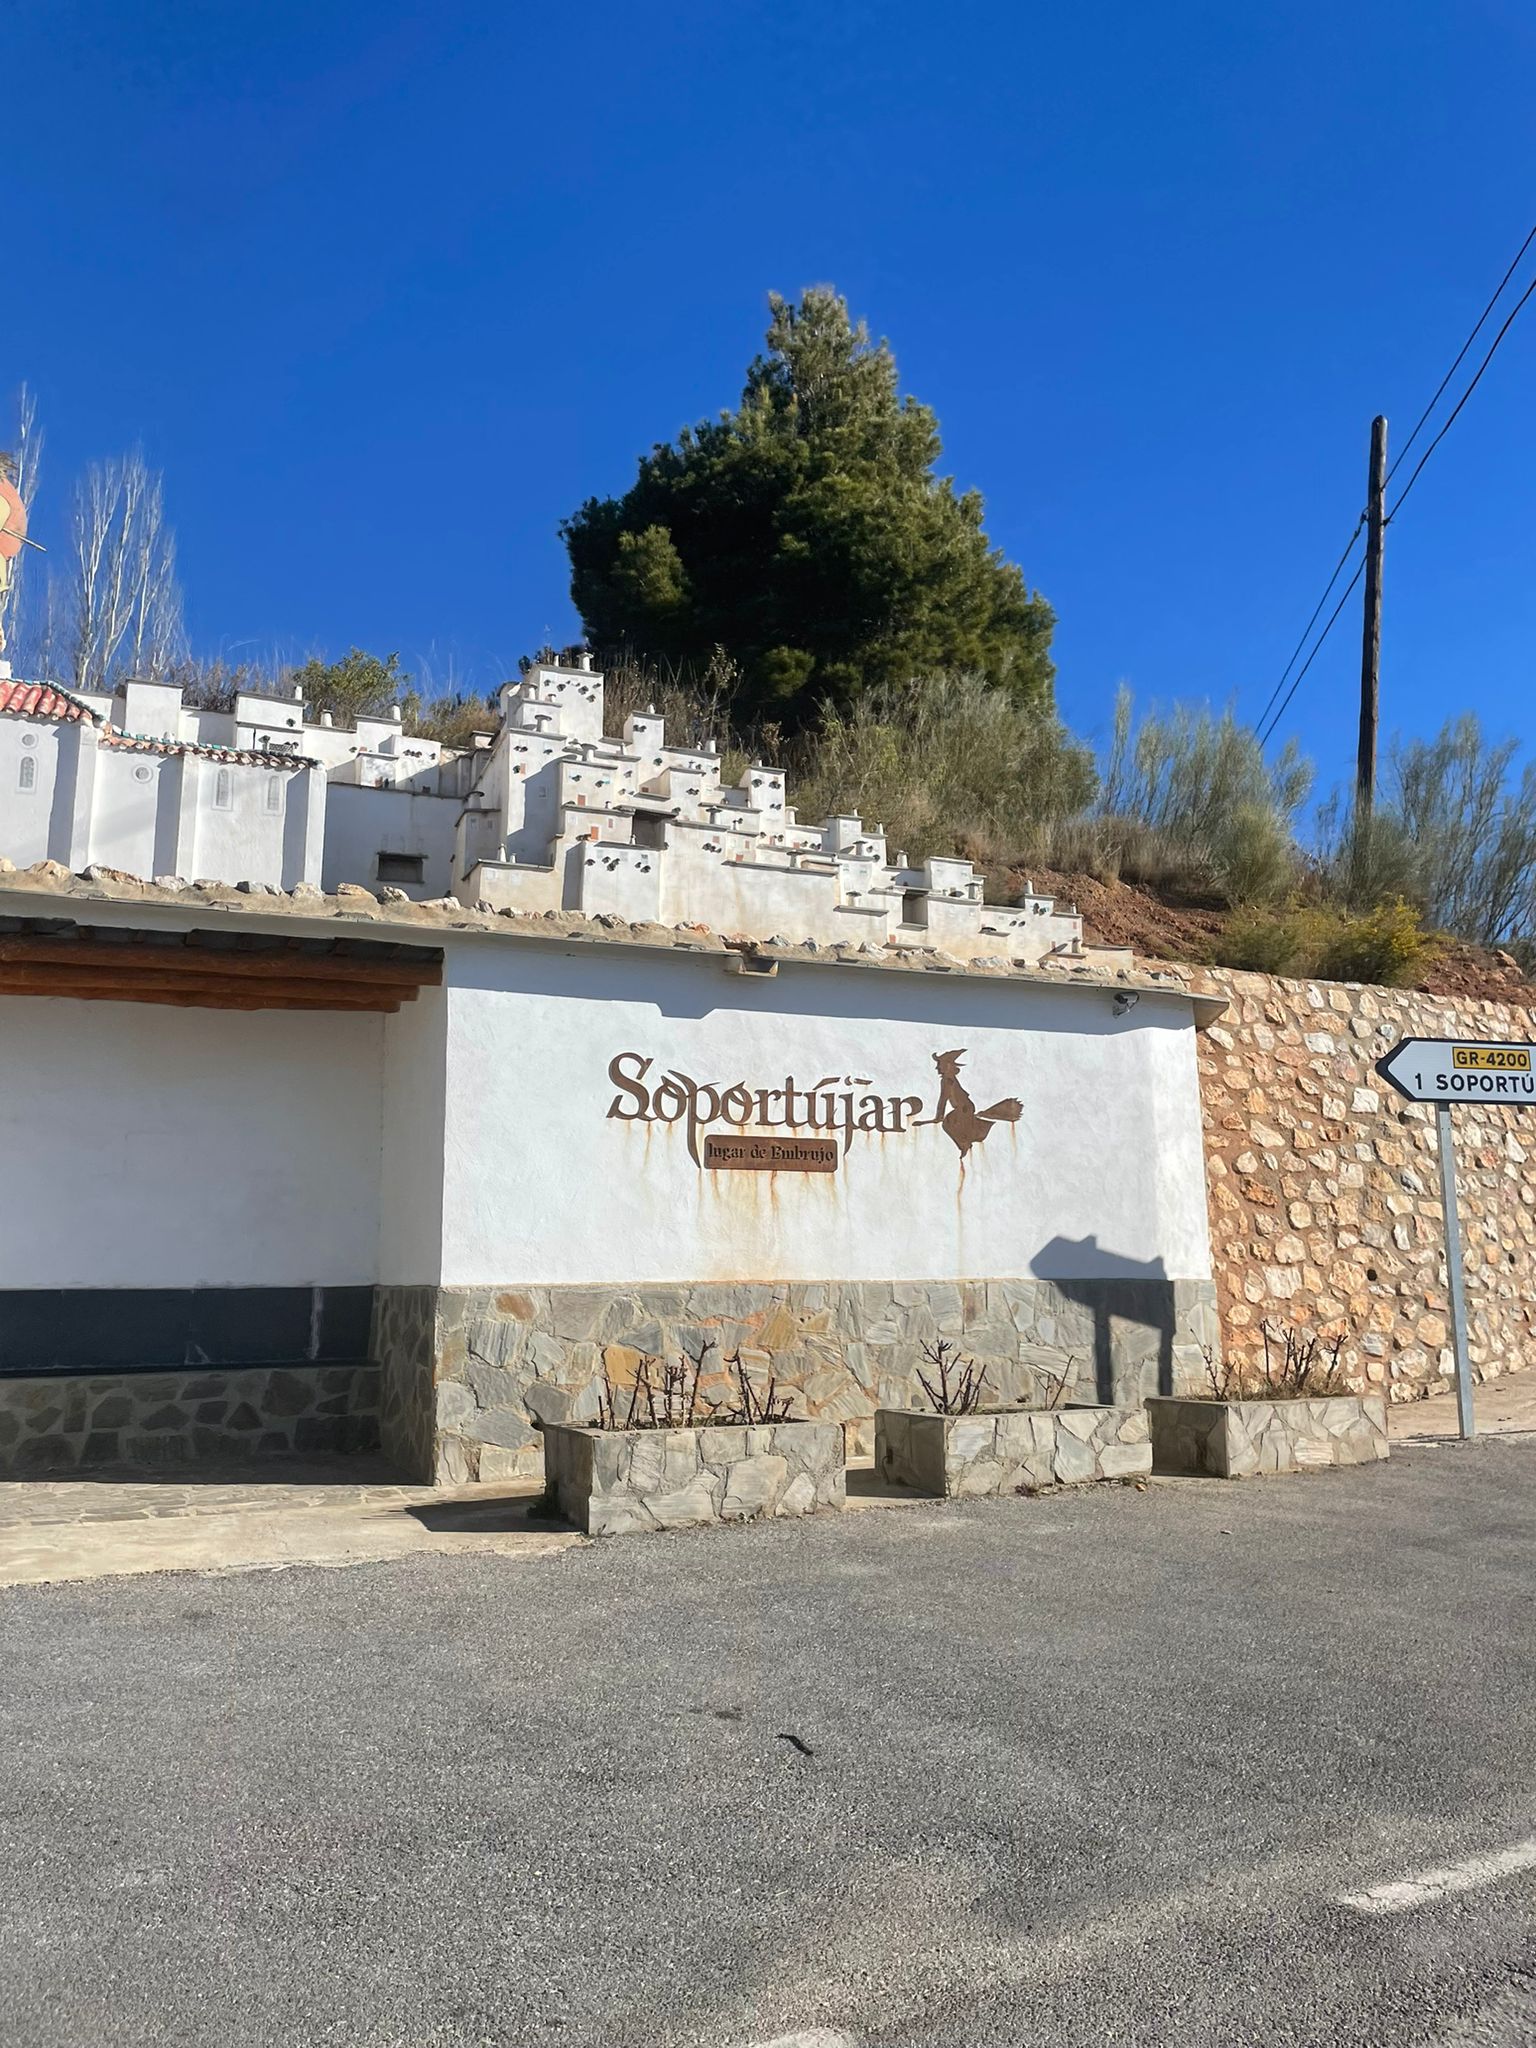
{"x":1447,"y":1136}
{"x":1446,"y":1071}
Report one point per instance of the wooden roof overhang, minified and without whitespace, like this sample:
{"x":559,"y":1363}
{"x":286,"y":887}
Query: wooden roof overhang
{"x":208,"y":969}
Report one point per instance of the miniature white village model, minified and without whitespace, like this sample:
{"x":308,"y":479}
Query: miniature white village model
{"x":544,"y":813}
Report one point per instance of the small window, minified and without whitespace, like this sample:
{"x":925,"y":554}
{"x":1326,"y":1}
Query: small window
{"x":402,"y":867}
{"x":274,"y":792}
{"x":26,"y":774}
{"x":223,"y":791}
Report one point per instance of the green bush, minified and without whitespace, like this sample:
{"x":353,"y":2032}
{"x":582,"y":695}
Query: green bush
{"x":1386,"y":946}
{"x":1264,"y":942}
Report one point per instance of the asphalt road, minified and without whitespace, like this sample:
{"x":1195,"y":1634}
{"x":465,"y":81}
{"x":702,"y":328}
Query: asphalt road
{"x":1094,"y":1768}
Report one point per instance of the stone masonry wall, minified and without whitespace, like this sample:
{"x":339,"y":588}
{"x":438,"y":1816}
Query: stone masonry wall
{"x":403,"y":1341}
{"x":60,"y":1422}
{"x":507,"y":1358}
{"x":966,"y":1455}
{"x":1234,"y":1439}
{"x":1324,"y":1183}
{"x":612,"y":1482}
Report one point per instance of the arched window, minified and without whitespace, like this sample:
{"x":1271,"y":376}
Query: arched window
{"x":26,"y":774}
{"x":223,"y":795}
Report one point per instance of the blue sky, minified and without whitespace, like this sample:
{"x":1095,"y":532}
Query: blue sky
{"x":386,"y":291}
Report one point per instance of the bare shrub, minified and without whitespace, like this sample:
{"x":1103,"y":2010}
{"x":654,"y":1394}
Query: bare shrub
{"x":669,"y":1394}
{"x":957,"y":1384}
{"x":1299,"y":1365}
{"x":1053,"y":1387}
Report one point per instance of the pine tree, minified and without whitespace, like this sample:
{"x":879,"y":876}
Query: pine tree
{"x":809,"y":536}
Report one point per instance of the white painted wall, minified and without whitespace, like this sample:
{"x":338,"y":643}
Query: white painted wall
{"x":1103,"y":1174}
{"x":134,"y":814}
{"x":466,"y":1139}
{"x":263,"y":836}
{"x":153,"y":1147}
{"x":361,"y":823}
{"x":411,"y":1175}
{"x":26,"y":813}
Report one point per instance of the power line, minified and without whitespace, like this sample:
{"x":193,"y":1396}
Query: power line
{"x":1266,"y":736}
{"x":1337,"y":567}
{"x":1462,"y":353}
{"x":1487,"y":359}
{"x":1267,"y":733}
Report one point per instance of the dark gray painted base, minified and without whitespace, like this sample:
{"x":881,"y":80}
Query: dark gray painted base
{"x":128,"y":1329}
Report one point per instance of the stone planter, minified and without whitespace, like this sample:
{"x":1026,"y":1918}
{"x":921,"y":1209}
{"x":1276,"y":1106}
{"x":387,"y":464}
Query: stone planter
{"x":1232,"y":1439}
{"x":610,"y":1481}
{"x":966,"y":1455}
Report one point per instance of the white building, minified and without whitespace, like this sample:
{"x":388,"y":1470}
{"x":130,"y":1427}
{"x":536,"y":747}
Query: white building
{"x":548,"y":814}
{"x":280,"y":1174}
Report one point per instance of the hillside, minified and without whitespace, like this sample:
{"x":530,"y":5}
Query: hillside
{"x":1126,"y":914}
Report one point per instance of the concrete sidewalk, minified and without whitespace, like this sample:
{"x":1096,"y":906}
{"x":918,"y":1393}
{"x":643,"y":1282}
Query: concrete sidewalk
{"x":352,"y":1511}
{"x":348,"y":1512}
{"x":341,"y":1512}
{"x":1502,"y":1407}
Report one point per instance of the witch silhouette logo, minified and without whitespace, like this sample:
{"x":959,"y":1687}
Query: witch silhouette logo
{"x":956,"y":1113}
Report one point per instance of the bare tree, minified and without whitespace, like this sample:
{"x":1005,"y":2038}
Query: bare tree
{"x":126,"y":600}
{"x":20,"y":465}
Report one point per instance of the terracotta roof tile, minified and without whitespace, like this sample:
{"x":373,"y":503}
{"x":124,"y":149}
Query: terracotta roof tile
{"x":142,"y":743}
{"x":42,"y":700}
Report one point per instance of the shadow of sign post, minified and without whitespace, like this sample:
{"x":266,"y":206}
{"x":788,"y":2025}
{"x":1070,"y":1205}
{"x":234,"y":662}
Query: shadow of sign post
{"x":1143,"y":1294}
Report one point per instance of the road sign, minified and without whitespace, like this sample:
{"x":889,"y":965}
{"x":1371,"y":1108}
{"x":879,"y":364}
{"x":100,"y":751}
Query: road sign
{"x":1446,"y":1071}
{"x":1462,"y":1070}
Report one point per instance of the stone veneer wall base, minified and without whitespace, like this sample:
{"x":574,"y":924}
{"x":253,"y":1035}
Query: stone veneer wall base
{"x":62,"y":1422}
{"x":468,"y":1375}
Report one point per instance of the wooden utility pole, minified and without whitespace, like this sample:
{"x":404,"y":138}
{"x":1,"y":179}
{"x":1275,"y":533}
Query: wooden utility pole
{"x":1370,"y":642}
